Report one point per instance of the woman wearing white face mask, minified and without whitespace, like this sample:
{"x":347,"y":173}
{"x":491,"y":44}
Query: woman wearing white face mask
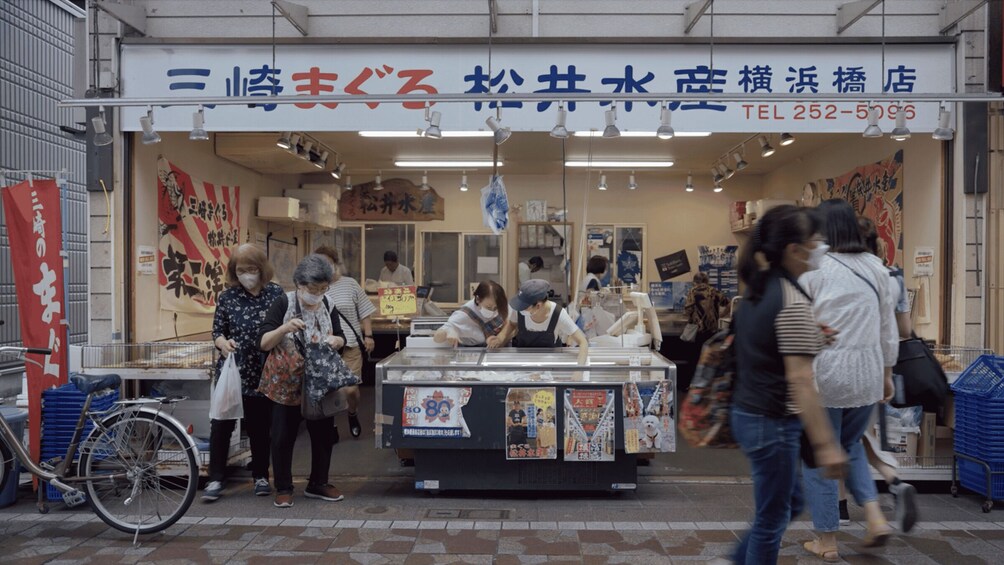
{"x":851,"y":295}
{"x":480,"y":322}
{"x":239,"y":310}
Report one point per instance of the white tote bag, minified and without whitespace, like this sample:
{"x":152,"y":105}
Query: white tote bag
{"x":226,"y":402}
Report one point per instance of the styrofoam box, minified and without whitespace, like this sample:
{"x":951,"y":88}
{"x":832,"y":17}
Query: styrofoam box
{"x":322,"y":196}
{"x":278,"y":207}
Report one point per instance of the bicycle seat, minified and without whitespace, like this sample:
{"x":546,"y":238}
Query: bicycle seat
{"x":94,"y":383}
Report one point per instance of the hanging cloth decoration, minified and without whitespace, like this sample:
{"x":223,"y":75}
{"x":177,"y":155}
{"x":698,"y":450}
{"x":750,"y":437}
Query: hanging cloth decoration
{"x":495,"y":205}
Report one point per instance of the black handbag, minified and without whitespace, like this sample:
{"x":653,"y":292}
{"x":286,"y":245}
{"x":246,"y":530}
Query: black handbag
{"x":923,"y":380}
{"x":324,"y":373}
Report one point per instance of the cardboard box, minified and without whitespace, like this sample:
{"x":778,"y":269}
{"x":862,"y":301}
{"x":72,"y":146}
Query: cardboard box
{"x":928,"y":437}
{"x":905,"y":445}
{"x":278,"y":207}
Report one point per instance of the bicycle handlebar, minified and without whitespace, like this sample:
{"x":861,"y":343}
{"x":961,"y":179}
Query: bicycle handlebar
{"x":35,"y":350}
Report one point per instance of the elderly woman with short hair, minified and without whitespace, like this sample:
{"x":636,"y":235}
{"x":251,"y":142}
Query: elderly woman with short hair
{"x":304,"y":313}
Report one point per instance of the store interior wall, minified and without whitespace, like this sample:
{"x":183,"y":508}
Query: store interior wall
{"x":922,"y":186}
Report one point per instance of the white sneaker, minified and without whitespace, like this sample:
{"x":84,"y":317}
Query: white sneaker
{"x":212,"y":492}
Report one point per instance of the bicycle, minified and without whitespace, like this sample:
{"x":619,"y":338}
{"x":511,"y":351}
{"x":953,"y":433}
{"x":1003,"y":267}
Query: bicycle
{"x":137,"y":466}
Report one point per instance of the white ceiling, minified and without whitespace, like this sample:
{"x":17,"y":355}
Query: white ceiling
{"x":523,"y":153}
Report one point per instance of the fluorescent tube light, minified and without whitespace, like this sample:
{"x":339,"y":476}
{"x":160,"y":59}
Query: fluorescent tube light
{"x":444,"y":164}
{"x":416,"y":134}
{"x":621,"y":164}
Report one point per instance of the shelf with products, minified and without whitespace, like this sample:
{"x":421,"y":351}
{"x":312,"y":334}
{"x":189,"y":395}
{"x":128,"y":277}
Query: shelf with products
{"x":552,"y":242}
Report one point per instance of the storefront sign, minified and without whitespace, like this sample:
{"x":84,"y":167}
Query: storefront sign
{"x":648,"y":418}
{"x":198,"y":231}
{"x":719,"y":263}
{"x":261,"y":70}
{"x":34,"y":232}
{"x":589,"y":424}
{"x":398,"y":301}
{"x":146,"y":259}
{"x":399,"y":201}
{"x":923,"y":262}
{"x":530,"y":424}
{"x":876,"y":192}
{"x":673,"y":265}
{"x":434,"y":412}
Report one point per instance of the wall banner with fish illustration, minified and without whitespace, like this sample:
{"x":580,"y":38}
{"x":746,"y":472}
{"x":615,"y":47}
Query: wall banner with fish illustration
{"x":648,"y":418}
{"x":876,"y":192}
{"x":435,"y":412}
{"x":199,"y":227}
{"x":589,"y":424}
{"x":396,"y":200}
{"x":530,"y":424}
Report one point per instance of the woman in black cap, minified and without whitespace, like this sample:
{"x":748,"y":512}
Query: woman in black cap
{"x":539,"y":322}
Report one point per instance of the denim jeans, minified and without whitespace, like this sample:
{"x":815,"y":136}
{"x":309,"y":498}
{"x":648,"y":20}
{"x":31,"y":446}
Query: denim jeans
{"x":258,"y":423}
{"x":849,"y":424}
{"x":772,"y":446}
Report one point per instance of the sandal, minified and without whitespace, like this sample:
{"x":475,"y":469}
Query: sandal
{"x":826,"y":554}
{"x":877,"y":535}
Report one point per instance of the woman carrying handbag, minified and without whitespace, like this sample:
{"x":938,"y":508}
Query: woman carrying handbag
{"x":293,"y":321}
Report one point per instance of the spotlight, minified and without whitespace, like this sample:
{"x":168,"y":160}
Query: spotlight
{"x":631,"y":182}
{"x":425,"y":182}
{"x":873,"y":130}
{"x":727,"y":173}
{"x":501,"y":133}
{"x":348,"y":183}
{"x":716,"y":176}
{"x":718,"y":188}
{"x":766,"y":150}
{"x":433,"y":118}
{"x":338,"y":171}
{"x":665,"y":130}
{"x":284,"y":141}
{"x":463,"y":183}
{"x":787,"y":139}
{"x":321,"y":161}
{"x":150,"y":136}
{"x":690,"y":183}
{"x":559,"y":131}
{"x":378,"y":184}
{"x":603,"y":182}
{"x":900,"y":132}
{"x":611,"y":130}
{"x":198,"y":131}
{"x":304,"y":152}
{"x":944,"y":131}
{"x":740,"y":161}
{"x":294,"y":143}
{"x":101,"y":136}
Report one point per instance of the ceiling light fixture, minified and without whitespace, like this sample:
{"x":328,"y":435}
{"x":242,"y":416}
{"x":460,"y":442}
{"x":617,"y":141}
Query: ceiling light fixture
{"x":716,"y":176}
{"x":873,"y":130}
{"x":690,"y":183}
{"x":425,"y":181}
{"x":378,"y":183}
{"x":303,"y":152}
{"x":603,"y":182}
{"x":611,"y":131}
{"x":621,"y":164}
{"x":643,"y":133}
{"x":463,"y":182}
{"x":294,"y":142}
{"x":786,"y":139}
{"x":321,"y":161}
{"x":476,"y":133}
{"x":198,"y":132}
{"x":284,"y":141}
{"x":101,"y":135}
{"x":726,"y":171}
{"x":338,"y":171}
{"x":766,"y":150}
{"x":631,"y":182}
{"x":445,"y":164}
{"x":740,"y":160}
{"x":501,"y":134}
{"x":665,"y":130}
{"x":944,"y":132}
{"x":559,"y":131}
{"x":433,"y":118}
{"x":150,"y":135}
{"x":900,"y":132}
{"x":348,"y":183}
{"x":718,"y":188}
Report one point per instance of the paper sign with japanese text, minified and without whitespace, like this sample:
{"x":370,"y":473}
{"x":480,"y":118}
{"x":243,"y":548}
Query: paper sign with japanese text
{"x":589,"y":424}
{"x":530,"y":424}
{"x":648,"y":417}
{"x":398,"y":301}
{"x":435,"y":412}
{"x":923,"y":262}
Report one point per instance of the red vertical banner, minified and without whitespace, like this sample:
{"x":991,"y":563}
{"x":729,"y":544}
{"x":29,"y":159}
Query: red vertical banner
{"x":34,"y":231}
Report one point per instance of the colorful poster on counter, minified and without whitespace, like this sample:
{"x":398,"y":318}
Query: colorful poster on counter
{"x":648,"y":418}
{"x":719,"y":263}
{"x":876,"y":192}
{"x":198,"y":226}
{"x":435,"y":412}
{"x":589,"y":424}
{"x":530,"y":424}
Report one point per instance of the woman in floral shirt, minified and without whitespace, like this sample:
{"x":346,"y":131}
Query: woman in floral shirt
{"x":239,"y":311}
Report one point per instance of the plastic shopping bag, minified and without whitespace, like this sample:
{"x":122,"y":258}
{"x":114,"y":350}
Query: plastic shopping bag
{"x":226,"y":402}
{"x":495,"y":206}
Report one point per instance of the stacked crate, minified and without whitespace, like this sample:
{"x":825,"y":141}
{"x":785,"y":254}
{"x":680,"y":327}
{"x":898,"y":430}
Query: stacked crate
{"x":61,"y":408}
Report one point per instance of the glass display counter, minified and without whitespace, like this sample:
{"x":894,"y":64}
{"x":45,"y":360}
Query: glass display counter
{"x":526,"y":419}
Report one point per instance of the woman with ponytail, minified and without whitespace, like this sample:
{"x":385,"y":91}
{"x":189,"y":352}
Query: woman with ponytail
{"x":776,"y":340}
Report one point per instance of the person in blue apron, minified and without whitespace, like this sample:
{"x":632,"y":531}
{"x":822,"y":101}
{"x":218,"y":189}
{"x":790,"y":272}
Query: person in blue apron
{"x":479,"y":322}
{"x":539,"y":322}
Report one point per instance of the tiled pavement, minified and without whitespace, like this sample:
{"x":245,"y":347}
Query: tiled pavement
{"x":384,"y":521}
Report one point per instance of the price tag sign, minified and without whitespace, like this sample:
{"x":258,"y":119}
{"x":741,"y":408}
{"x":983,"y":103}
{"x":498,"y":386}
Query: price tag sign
{"x":398,"y":301}
{"x":635,"y":361}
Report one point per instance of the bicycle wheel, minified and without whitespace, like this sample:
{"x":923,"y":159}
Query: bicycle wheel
{"x":6,"y":464}
{"x":149,"y":469}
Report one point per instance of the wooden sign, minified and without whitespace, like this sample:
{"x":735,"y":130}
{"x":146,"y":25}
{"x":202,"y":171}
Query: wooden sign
{"x":399,"y":201}
{"x":398,"y":301}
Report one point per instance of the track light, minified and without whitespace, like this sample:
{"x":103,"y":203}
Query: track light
{"x":348,"y":183}
{"x":944,"y":131}
{"x":284,"y":141}
{"x":338,"y":171}
{"x":501,"y":133}
{"x":727,"y":173}
{"x":873,"y":130}
{"x":559,"y":131}
{"x":787,"y":139}
{"x":433,"y":118}
{"x":716,"y":176}
{"x":603,"y":182}
{"x":425,"y":182}
{"x":304,"y":152}
{"x":463,"y":182}
{"x":101,"y":135}
{"x":718,"y":188}
{"x":766,"y":150}
{"x":611,"y":130}
{"x":321,"y":161}
{"x":198,"y":130}
{"x":690,"y":183}
{"x":294,"y":143}
{"x":631,"y":182}
{"x":665,"y":130}
{"x":377,"y":184}
{"x":900,"y":132}
{"x":150,"y":136}
{"x":740,"y":161}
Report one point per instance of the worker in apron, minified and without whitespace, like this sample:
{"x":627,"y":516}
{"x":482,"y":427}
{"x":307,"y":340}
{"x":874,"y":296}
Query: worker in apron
{"x":540,"y":323}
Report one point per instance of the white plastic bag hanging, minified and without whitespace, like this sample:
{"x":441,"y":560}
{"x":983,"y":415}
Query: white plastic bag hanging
{"x":226,"y":402}
{"x":495,"y":205}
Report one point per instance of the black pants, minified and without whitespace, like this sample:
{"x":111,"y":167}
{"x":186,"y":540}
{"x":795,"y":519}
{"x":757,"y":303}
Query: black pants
{"x":285,"y":426}
{"x":258,"y":424}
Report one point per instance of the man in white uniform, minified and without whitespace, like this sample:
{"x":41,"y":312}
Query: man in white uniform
{"x":528,"y":267}
{"x":395,"y":273}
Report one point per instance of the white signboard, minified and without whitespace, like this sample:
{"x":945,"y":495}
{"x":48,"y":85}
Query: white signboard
{"x":146,"y":259}
{"x":923,"y":262}
{"x":210,"y":70}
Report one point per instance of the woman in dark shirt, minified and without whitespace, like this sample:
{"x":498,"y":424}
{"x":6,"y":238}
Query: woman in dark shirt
{"x":776,"y":339}
{"x":239,"y":311}
{"x":302,"y":313}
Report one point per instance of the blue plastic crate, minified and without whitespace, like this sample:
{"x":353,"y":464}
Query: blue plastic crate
{"x":974,"y":477}
{"x":984,"y":378}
